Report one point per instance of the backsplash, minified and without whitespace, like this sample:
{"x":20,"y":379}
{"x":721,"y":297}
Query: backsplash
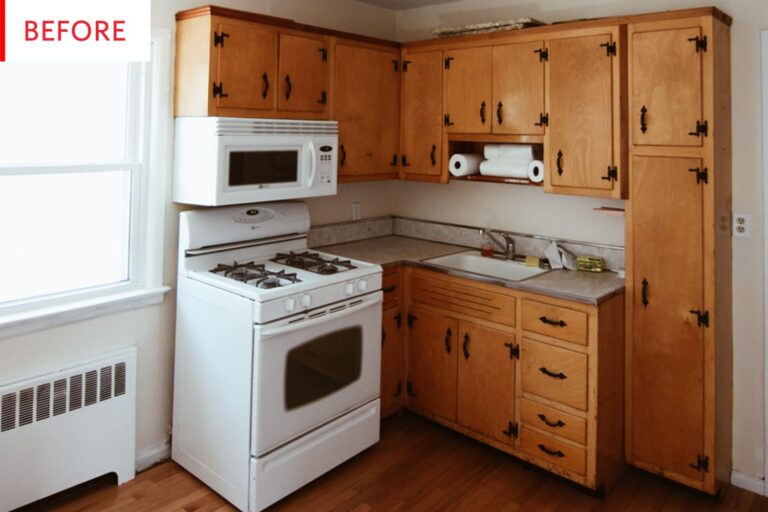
{"x":467,"y":236}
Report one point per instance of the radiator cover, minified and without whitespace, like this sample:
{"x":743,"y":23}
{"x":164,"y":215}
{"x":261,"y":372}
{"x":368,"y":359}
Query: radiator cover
{"x":64,"y":428}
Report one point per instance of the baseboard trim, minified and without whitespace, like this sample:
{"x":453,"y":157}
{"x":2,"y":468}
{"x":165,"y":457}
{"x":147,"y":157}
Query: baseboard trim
{"x":748,"y":482}
{"x":153,"y":456}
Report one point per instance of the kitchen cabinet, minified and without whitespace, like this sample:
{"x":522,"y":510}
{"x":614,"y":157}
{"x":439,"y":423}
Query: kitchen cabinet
{"x":467,"y":90}
{"x":422,"y":116}
{"x":583,"y":148}
{"x":304,"y":74}
{"x":678,"y":253}
{"x":367,"y":92}
{"x":518,"y":89}
{"x":392,"y":343}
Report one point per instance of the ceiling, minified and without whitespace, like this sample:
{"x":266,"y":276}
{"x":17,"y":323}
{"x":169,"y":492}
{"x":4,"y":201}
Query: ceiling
{"x":401,"y":5}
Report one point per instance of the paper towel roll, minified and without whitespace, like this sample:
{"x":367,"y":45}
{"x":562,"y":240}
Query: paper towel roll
{"x":518,"y":152}
{"x":504,"y":169}
{"x":536,"y":171}
{"x":464,"y":164}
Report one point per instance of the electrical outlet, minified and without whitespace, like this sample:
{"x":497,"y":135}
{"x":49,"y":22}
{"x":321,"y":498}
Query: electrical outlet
{"x":356,"y":215}
{"x":742,"y":226}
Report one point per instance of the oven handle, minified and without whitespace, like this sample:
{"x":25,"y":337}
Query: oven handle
{"x":313,"y":166}
{"x":269,"y":332}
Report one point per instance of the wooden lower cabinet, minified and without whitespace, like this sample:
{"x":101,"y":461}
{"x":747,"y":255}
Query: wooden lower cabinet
{"x":551,"y":393}
{"x":392,"y":361}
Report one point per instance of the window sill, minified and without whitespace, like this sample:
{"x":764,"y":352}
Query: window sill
{"x":18,"y":324}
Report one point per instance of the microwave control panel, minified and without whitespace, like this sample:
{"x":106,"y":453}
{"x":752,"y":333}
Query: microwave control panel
{"x":326,"y":165}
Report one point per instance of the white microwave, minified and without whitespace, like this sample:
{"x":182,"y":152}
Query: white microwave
{"x":224,"y":160}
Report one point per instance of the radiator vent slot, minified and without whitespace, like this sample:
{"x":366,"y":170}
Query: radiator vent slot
{"x":105,"y":383}
{"x":8,"y":412}
{"x":119,"y":379}
{"x":26,"y":406}
{"x":91,"y":384}
{"x":75,"y":392}
{"x":43,"y":409}
{"x":59,"y":397}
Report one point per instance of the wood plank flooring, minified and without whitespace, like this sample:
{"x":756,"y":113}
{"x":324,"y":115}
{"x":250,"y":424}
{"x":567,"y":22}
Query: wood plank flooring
{"x":417,"y":466}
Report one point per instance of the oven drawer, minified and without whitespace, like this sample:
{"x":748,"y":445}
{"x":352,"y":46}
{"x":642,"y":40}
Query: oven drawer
{"x":555,"y":422}
{"x":555,"y":321}
{"x":553,"y":451}
{"x":554,"y":373}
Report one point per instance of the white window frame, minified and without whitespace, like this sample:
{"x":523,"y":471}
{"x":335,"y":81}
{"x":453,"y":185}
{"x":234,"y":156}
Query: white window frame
{"x":149,"y":164}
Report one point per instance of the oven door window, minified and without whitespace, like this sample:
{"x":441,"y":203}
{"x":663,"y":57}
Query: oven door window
{"x":248,"y":168}
{"x":323,"y":366}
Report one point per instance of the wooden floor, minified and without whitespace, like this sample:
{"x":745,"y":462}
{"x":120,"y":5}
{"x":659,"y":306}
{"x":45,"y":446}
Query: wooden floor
{"x":416,"y":466}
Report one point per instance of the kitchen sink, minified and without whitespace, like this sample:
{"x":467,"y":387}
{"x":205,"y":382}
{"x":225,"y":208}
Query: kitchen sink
{"x":473,"y":262}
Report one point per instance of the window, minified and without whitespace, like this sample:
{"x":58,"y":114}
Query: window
{"x":75,"y":168}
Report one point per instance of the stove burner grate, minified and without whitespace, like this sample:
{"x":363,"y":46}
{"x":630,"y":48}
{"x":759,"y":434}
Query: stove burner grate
{"x":313,"y":262}
{"x":258,"y":275}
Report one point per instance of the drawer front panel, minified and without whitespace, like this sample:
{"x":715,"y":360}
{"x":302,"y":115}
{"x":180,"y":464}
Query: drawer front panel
{"x":391,"y":285}
{"x":553,"y":421}
{"x":476,"y":302}
{"x":553,"y":451}
{"x":554,"y":373}
{"x":557,"y":322}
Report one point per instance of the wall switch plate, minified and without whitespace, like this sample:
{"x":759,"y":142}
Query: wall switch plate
{"x":356,"y":215}
{"x":742,"y":226}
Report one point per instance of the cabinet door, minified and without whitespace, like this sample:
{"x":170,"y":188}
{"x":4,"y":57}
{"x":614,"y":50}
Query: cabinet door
{"x":486,"y":381}
{"x":666,"y":86}
{"x":247,"y":60}
{"x":432,"y":358}
{"x":579,"y":141}
{"x":367,"y":105}
{"x":422,"y":113}
{"x":467,"y":88}
{"x":392,"y":362}
{"x":304,"y":74}
{"x":518,"y":89}
{"x":666,"y":359}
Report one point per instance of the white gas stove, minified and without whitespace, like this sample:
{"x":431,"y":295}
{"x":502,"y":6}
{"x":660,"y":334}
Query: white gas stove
{"x":277,"y":353}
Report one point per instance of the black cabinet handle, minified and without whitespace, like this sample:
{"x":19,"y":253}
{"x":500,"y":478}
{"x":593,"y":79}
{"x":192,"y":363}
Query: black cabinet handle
{"x":482,"y":112}
{"x":343,"y":158}
{"x":323,"y":54}
{"x":323,"y":98}
{"x":409,"y":390}
{"x":389,"y":289}
{"x":465,"y":347}
{"x":432,"y":155}
{"x":404,"y":161}
{"x":553,"y":453}
{"x":644,"y":292}
{"x":499,"y":108}
{"x":448,"y":335}
{"x":556,"y":323}
{"x":399,"y":390}
{"x":548,"y":373}
{"x":643,"y":119}
{"x":288,"y":87}
{"x":265,"y":87}
{"x":559,"y":163}
{"x":553,"y":424}
{"x":393,"y":162}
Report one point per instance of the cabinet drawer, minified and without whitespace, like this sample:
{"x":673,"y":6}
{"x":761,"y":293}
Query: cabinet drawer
{"x":553,"y":451}
{"x":555,"y":321}
{"x":477,"y":302}
{"x":554,"y":373}
{"x":553,"y":421}
{"x":391,"y":286}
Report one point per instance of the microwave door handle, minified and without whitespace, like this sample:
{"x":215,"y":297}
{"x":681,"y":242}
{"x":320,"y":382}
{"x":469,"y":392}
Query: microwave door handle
{"x":313,"y":165}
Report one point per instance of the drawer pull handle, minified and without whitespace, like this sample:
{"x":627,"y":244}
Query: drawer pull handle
{"x":556,"y":323}
{"x":549,"y":452}
{"x":553,"y":424}
{"x":548,"y":373}
{"x":389,"y":289}
{"x":448,"y":335}
{"x":466,"y":345}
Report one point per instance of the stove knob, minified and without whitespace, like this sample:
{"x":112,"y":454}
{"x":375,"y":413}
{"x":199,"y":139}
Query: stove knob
{"x":306,"y":300}
{"x":362,"y":285}
{"x":289,"y":305}
{"x":349,"y":289}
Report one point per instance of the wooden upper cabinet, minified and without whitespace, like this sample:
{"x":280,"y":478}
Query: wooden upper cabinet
{"x":422,"y":107}
{"x":583,"y":142}
{"x":304,"y":73}
{"x":246,"y":67}
{"x":367,"y":107}
{"x":666,"y":76}
{"x":518,"y":89}
{"x":467,"y":90}
{"x":666,"y":364}
{"x":486,"y":381}
{"x":432,"y":359}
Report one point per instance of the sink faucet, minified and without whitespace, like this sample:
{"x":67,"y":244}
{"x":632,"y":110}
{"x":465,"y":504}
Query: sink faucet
{"x":504,"y":241}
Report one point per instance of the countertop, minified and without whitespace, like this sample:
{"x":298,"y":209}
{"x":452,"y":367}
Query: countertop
{"x":586,"y":287}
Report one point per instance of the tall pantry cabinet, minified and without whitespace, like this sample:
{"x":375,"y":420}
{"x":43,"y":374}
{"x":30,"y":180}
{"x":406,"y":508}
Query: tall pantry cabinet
{"x":678,"y":282}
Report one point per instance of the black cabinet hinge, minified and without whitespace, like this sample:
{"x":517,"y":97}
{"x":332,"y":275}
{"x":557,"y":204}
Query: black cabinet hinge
{"x":323,"y":98}
{"x":218,"y":38}
{"x":700,"y":43}
{"x":409,"y":389}
{"x":512,"y":430}
{"x":514,"y":350}
{"x":447,"y":120}
{"x":411,"y":319}
{"x":543,"y":54}
{"x":702,"y":175}
{"x":323,"y":54}
{"x":447,"y":62}
{"x":399,"y":320}
{"x":702,"y":317}
{"x":399,"y":389}
{"x":543,"y":120}
{"x":610,"y":48}
{"x":613,"y":174}
{"x":218,"y":90}
{"x":702,"y":463}
{"x":405,"y":65}
{"x":396,"y":65}
{"x":702,"y":128}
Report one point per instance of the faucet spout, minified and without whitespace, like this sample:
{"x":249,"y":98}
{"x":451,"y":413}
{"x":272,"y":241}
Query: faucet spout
{"x":504,"y":241}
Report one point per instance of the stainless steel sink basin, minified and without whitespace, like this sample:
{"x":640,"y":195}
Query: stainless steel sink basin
{"x":473,"y":262}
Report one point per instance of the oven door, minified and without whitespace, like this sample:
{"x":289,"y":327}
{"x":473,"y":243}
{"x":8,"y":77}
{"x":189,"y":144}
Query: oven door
{"x":311,"y":369}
